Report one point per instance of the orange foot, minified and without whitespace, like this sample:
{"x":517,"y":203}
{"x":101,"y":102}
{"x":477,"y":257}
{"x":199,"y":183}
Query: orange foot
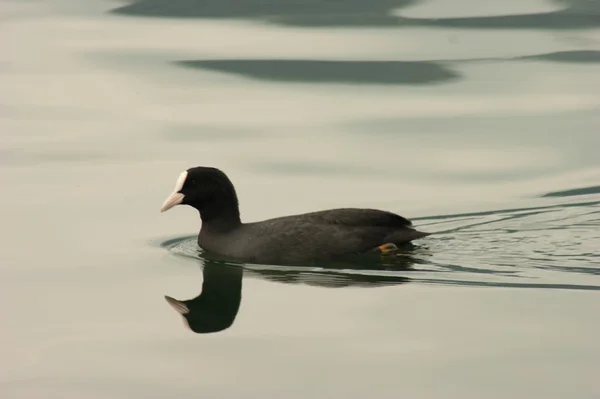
{"x":387,"y":248}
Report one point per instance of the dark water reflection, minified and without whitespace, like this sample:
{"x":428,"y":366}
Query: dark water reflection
{"x":318,"y":71}
{"x":370,"y":72}
{"x":574,"y":192}
{"x":295,"y":11}
{"x":575,"y":56}
{"x":576,"y":14}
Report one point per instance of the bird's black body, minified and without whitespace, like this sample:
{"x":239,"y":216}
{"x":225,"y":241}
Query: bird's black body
{"x":295,"y":239}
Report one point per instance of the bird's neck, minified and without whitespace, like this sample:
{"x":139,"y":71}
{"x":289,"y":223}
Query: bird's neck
{"x":220,"y":215}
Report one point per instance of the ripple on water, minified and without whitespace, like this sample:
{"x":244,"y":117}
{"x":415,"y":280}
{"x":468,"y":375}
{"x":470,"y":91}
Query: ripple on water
{"x":544,"y":247}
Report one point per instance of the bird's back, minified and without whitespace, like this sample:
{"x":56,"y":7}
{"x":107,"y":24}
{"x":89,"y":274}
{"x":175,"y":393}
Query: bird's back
{"x":347,"y":217}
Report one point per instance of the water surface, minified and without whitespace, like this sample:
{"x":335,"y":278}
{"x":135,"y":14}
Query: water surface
{"x":478,"y":121}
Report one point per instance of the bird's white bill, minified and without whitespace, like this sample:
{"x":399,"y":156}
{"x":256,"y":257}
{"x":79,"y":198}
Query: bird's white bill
{"x":179,"y":306}
{"x":173,"y":200}
{"x":176,"y":198}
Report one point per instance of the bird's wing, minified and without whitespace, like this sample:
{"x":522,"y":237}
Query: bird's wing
{"x":352,"y":217}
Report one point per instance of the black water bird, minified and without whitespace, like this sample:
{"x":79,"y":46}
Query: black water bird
{"x":296,"y":239}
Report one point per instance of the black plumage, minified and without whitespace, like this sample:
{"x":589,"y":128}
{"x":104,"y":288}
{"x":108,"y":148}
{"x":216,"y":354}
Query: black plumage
{"x":294,"y":239}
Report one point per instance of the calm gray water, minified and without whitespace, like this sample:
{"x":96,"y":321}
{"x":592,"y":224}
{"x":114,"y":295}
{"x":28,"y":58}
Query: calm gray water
{"x":479,"y":120}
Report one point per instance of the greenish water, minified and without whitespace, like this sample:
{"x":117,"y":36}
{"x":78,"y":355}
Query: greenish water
{"x":477,"y":120}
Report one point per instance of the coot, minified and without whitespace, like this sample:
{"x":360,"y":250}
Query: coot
{"x":296,"y":239}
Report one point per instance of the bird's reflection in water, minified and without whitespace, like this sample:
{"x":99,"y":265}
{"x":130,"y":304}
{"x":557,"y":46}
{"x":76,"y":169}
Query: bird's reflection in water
{"x":216,"y":308}
{"x":217,"y":305}
{"x":352,"y":272}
